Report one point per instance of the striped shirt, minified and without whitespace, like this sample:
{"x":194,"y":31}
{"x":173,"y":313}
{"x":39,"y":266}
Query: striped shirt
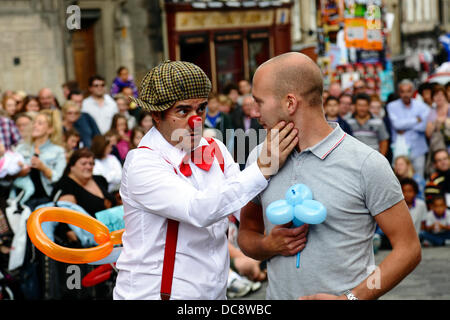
{"x":9,"y":134}
{"x":372,"y":132}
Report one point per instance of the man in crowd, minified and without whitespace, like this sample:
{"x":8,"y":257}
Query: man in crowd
{"x":355,"y":184}
{"x":178,"y":190}
{"x":47,"y":99}
{"x":345,"y":106}
{"x":366,"y":128}
{"x":408,"y":117}
{"x":100,"y":105}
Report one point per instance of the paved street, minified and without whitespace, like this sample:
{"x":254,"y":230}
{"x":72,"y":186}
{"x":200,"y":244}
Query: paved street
{"x":429,"y":281}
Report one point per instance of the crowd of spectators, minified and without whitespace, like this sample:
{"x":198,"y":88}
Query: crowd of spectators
{"x":74,"y":151}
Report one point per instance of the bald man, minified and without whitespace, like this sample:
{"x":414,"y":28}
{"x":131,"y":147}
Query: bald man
{"x":47,"y":99}
{"x":354,"y":182}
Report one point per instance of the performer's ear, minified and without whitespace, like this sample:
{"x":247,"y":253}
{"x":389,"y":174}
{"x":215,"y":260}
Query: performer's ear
{"x":292,"y":104}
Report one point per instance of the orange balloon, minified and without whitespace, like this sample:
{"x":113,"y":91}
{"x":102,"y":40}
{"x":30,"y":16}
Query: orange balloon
{"x":101,"y":234}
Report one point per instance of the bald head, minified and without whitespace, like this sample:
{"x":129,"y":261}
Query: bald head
{"x":295,"y":73}
{"x":46,"y":98}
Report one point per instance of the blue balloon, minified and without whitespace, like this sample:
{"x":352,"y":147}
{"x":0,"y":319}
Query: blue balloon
{"x":297,"y":223}
{"x":280,"y":212}
{"x":297,"y":194}
{"x":310,"y":212}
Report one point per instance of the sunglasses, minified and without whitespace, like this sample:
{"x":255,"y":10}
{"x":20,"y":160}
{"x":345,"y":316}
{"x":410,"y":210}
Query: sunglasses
{"x":98,"y":85}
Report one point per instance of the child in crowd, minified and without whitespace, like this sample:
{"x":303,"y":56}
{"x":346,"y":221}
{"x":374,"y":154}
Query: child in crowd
{"x":437,"y":223}
{"x":403,"y":168}
{"x":71,"y":142}
{"x":120,"y":126}
{"x":135,"y":137}
{"x":417,"y":207}
{"x":145,"y":121}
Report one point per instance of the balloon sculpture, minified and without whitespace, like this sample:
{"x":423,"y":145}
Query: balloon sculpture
{"x":298,"y":208}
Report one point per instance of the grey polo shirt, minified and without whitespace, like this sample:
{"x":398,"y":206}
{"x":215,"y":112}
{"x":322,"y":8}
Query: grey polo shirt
{"x":371,"y":133}
{"x":355,"y":183}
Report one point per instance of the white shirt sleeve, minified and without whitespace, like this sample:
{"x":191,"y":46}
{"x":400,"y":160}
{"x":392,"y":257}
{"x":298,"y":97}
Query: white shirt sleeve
{"x":151,"y":183}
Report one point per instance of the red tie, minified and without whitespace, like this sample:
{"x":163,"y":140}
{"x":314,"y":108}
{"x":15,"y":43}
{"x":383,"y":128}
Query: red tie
{"x":202,"y":157}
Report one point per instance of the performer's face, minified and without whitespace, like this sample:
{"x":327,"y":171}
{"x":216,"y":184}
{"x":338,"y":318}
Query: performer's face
{"x":174,"y":125}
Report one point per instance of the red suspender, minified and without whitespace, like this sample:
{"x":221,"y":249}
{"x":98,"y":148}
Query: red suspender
{"x":172,"y":236}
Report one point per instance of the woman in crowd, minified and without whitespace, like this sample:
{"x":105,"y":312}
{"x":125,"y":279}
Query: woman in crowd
{"x":123,"y":104}
{"x":438,"y":122}
{"x":71,"y":142}
{"x":80,"y":186}
{"x":119,"y":125}
{"x":403,"y":169}
{"x":31,"y":104}
{"x":106,"y":164}
{"x":44,"y":159}
{"x":73,"y":118}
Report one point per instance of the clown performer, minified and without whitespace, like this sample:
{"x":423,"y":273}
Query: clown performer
{"x":178,"y":189}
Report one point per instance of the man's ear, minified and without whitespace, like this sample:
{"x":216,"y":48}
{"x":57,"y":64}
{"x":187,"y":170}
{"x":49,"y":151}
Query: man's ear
{"x":292,"y":103}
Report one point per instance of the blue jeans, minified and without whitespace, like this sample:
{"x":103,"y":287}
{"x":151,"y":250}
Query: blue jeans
{"x":436,"y":239}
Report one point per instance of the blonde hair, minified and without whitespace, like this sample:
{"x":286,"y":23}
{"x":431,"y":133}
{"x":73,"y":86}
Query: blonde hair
{"x":410,"y":172}
{"x":69,"y":104}
{"x":54,"y":121}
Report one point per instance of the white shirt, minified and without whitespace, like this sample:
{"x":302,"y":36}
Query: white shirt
{"x":152,"y":192}
{"x":418,"y":214}
{"x":111,"y":169}
{"x":102,"y":114}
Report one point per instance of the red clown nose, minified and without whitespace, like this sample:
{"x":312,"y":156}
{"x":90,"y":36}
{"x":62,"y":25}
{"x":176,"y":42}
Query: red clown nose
{"x":194,"y":121}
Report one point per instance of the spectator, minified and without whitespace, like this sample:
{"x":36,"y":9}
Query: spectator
{"x":137,"y":133}
{"x":123,"y":104}
{"x":438,"y":121}
{"x":345,"y":105}
{"x":119,"y":125}
{"x":47,"y":99}
{"x":244,"y":87}
{"x":359,"y":87}
{"x":71,"y":142}
{"x":247,"y":130}
{"x":106,"y":165}
{"x":366,"y":128}
{"x":99,"y":105}
{"x":19,"y":97}
{"x":437,"y":223}
{"x":9,"y":134}
{"x":24,"y":123}
{"x":31,"y":104}
{"x":335,"y":89}
{"x":331,"y":108}
{"x":77,"y":97}
{"x":425,"y":90}
{"x":9,"y":106}
{"x":44,"y":159}
{"x":80,"y":186}
{"x":408,"y":118}
{"x":232,"y":92}
{"x":145,"y":121}
{"x":217,"y":120}
{"x":376,"y":107}
{"x":417,"y":207}
{"x":404,"y":169}
{"x":225,"y":104}
{"x":80,"y":121}
{"x":439,"y":182}
{"x":68,"y":87}
{"x":123,"y":79}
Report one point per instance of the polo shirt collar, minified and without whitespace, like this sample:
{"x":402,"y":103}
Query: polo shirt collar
{"x":330,"y":143}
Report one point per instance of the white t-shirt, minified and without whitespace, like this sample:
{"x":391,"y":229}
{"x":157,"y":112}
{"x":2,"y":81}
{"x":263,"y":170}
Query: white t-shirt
{"x":418,"y":214}
{"x":111,"y":169}
{"x":102,"y":114}
{"x":431,"y":219}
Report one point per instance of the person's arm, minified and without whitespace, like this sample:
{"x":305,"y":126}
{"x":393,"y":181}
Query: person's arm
{"x":400,"y":123}
{"x":430,"y":129}
{"x":152,"y":184}
{"x":421,"y":125}
{"x":396,"y":223}
{"x":384,"y":147}
{"x":282,"y":240}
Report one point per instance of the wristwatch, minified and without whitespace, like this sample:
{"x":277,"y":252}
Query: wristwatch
{"x":350,"y":295}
